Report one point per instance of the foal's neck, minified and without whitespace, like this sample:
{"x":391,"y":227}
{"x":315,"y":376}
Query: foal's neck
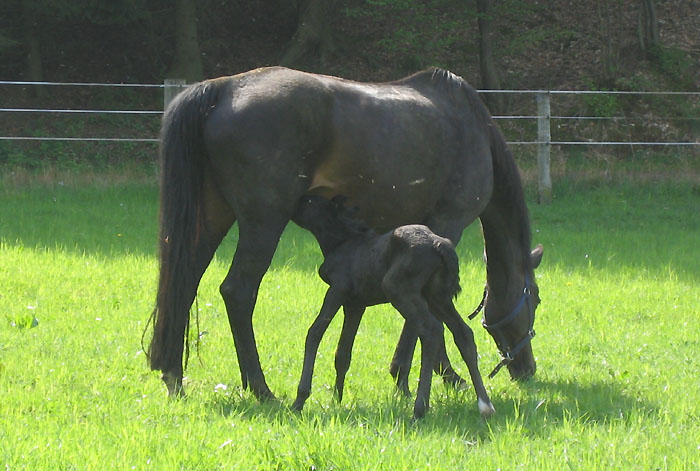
{"x":330,"y":239}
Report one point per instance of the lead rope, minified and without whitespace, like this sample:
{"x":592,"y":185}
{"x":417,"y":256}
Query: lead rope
{"x":498,"y":367}
{"x":481,"y":304}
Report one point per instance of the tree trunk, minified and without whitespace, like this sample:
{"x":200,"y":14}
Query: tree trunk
{"x":609,"y":37}
{"x":648,"y":27}
{"x":489,"y":74}
{"x":187,"y":63}
{"x":314,"y":32}
{"x":33,"y":69}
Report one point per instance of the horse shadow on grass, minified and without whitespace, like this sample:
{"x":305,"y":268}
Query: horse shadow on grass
{"x":543,"y":404}
{"x":535,"y":406}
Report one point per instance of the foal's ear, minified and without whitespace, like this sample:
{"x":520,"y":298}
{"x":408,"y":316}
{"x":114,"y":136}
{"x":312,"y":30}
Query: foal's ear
{"x":536,"y":255}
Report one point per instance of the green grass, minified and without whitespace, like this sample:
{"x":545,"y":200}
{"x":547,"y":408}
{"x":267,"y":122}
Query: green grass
{"x":617,"y":346}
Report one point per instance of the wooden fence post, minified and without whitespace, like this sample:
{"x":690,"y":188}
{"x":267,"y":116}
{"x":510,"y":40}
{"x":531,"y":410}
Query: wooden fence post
{"x":170,"y":90}
{"x":544,"y":140}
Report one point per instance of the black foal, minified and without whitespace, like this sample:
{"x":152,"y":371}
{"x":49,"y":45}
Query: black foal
{"x":410,"y":267}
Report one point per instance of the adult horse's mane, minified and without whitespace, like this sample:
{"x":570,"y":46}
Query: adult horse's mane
{"x":507,"y":183}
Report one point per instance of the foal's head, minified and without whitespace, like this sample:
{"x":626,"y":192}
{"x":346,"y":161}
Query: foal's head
{"x":328,"y":220}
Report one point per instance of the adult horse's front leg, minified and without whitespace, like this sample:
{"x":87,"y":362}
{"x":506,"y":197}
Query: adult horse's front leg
{"x":256,"y":246}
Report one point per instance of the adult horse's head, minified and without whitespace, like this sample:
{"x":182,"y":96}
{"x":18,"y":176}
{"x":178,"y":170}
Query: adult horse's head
{"x":510,"y":318}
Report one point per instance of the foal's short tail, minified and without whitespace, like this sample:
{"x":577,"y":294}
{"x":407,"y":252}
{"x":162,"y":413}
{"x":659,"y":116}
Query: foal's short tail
{"x":448,"y":275}
{"x":182,"y":162}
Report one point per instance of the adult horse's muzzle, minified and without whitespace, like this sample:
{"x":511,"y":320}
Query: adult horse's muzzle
{"x":523,"y":366}
{"x":515,"y":354}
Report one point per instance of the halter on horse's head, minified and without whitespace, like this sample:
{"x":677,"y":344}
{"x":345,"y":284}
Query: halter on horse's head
{"x":514,"y":331}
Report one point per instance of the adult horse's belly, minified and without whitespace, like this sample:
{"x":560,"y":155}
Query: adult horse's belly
{"x":389,"y":153}
{"x":389,"y":188}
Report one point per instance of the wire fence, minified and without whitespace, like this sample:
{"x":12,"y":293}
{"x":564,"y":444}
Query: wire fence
{"x":613,"y":119}
{"x":533,"y":118}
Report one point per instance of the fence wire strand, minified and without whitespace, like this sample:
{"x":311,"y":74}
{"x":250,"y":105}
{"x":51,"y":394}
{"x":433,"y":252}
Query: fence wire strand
{"x":502,"y":117}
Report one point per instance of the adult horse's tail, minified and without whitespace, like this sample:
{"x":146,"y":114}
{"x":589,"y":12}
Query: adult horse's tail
{"x":182,"y":166}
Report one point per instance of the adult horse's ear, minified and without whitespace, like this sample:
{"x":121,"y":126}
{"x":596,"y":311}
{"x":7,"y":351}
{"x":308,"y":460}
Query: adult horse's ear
{"x":536,"y":255}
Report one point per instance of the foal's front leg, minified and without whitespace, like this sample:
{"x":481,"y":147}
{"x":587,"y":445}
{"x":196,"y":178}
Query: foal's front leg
{"x":331,"y":304}
{"x":343,"y":354}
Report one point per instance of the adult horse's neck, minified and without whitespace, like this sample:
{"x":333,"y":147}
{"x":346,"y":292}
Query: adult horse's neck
{"x":506,"y":257}
{"x":506,"y":226}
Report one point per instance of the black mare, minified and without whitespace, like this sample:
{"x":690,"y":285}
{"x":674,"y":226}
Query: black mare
{"x":410,"y":267}
{"x":245,"y":148}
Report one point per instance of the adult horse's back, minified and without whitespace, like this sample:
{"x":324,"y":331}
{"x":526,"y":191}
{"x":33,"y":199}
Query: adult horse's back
{"x":246,"y":148}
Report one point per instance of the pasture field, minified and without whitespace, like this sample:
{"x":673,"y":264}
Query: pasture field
{"x":617,"y":345}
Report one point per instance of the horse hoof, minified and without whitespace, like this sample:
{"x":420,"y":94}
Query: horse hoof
{"x":174,"y":385}
{"x":264,"y":395}
{"x":456,"y":382}
{"x":486,"y":409}
{"x":419,"y":411}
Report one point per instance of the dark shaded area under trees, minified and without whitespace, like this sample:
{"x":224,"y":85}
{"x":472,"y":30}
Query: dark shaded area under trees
{"x":525,"y":44}
{"x":634,"y":45}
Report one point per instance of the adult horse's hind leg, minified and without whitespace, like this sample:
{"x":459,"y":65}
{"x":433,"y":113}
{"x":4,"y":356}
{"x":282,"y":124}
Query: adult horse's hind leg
{"x":178,"y":286}
{"x":204,"y":251}
{"x":256,"y":246}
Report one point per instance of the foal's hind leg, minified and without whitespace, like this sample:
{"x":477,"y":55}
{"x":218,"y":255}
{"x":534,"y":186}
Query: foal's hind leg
{"x":402,"y":286}
{"x":415,"y":310}
{"x":464,"y":338}
{"x":403,"y":355}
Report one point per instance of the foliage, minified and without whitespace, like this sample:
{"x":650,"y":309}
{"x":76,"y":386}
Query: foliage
{"x":421,"y":33}
{"x":616,"y":386}
{"x":94,"y":11}
{"x":7,"y":42}
{"x":675,"y":63}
